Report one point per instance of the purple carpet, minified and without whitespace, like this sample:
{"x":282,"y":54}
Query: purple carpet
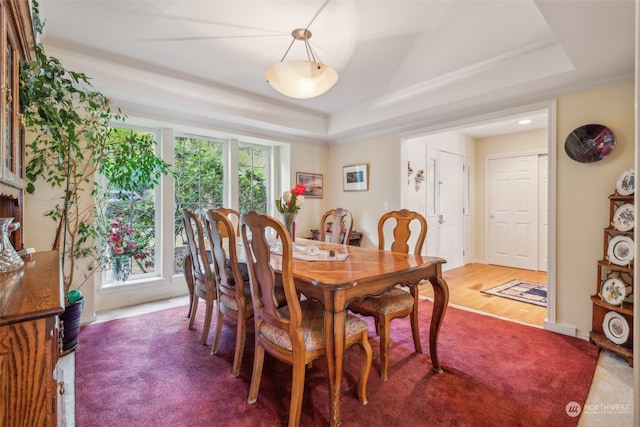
{"x":150,"y":370}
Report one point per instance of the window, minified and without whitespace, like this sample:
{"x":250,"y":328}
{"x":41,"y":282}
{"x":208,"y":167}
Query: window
{"x":252,"y":173}
{"x":203,"y":177}
{"x":199,"y":183}
{"x":136,"y":210}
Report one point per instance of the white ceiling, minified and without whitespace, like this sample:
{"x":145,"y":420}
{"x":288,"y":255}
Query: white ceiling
{"x":401,"y":64}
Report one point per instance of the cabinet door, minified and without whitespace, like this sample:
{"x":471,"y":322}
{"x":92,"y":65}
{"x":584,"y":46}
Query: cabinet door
{"x":12,"y":143}
{"x":4,"y":374}
{"x":28,"y":397}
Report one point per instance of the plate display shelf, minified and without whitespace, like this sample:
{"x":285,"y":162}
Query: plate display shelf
{"x":607,"y":269}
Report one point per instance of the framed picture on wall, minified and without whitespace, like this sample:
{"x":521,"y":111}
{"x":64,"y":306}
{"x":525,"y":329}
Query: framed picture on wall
{"x":312,"y":183}
{"x":355,"y":178}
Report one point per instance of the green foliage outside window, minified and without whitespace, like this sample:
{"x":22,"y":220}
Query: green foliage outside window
{"x":199,"y":178}
{"x":199,"y":181}
{"x":252,"y":171}
{"x":131,"y":200}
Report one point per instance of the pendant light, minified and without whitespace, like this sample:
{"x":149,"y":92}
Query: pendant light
{"x":301,"y":79}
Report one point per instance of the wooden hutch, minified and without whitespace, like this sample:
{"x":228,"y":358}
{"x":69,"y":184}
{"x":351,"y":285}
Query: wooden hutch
{"x":31,"y":297}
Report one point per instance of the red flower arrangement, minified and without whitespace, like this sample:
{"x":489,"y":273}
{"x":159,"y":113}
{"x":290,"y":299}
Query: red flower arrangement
{"x":291,"y":200}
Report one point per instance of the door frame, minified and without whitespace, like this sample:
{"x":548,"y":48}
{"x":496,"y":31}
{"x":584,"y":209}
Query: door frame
{"x":551,"y":107}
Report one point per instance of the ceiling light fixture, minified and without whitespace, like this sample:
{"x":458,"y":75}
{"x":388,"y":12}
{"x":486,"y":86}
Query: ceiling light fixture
{"x":524,"y":122}
{"x":301,"y":79}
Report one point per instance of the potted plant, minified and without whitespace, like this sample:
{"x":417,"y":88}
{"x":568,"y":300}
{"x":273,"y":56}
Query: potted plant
{"x":70,"y":124}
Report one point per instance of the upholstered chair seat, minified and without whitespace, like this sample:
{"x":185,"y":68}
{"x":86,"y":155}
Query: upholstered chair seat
{"x":393,"y":301}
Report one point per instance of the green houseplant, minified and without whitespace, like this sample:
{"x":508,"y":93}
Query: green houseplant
{"x":71,"y":145}
{"x":69,"y":122}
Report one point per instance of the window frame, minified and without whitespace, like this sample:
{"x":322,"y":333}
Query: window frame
{"x":157,"y":272}
{"x":277,"y":153}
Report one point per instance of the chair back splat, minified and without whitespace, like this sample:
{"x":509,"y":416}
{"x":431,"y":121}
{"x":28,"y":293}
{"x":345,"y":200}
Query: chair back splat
{"x":402,"y":231}
{"x":341,"y":221}
{"x":293,"y":333}
{"x":233,"y":216}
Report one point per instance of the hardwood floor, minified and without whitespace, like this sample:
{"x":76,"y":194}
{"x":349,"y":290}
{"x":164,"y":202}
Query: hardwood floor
{"x":465,"y":284}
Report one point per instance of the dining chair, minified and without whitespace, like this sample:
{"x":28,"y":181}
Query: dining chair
{"x":344,"y":219}
{"x":234,"y":294}
{"x":396,"y":302}
{"x":204,"y":286}
{"x":234,"y":216}
{"x":293,"y":333}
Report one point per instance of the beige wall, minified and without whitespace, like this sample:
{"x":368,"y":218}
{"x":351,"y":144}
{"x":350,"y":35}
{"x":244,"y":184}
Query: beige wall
{"x":383,"y":157}
{"x":582,"y":191}
{"x":310,"y":158}
{"x":515,"y":143}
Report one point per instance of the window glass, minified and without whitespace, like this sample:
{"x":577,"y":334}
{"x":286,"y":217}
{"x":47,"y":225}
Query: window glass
{"x":252,"y":176}
{"x":130,"y":221}
{"x":8,"y":138}
{"x":199,"y":183}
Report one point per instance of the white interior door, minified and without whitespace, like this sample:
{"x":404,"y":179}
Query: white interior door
{"x":512,"y":189}
{"x":450,"y":208}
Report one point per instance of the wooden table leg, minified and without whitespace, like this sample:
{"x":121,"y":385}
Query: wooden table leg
{"x":334,"y":343}
{"x":440,"y":303}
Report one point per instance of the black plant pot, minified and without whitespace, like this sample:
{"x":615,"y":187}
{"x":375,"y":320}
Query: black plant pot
{"x":71,"y":326}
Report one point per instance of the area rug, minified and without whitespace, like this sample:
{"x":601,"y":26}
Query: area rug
{"x":520,"y":290}
{"x":150,"y":370}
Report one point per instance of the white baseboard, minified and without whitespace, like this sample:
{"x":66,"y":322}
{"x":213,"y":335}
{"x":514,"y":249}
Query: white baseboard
{"x":562,"y":329}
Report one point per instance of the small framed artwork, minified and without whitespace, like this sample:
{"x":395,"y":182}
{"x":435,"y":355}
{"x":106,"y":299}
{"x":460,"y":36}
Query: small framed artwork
{"x":312,"y":182}
{"x":355,"y":178}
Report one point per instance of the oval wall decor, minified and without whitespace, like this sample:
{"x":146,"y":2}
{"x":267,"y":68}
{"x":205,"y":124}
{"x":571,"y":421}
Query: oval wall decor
{"x":590,"y":143}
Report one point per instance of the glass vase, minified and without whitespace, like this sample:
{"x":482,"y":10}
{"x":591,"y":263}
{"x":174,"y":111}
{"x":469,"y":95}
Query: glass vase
{"x":9,"y":258}
{"x":120,"y":268}
{"x":289,"y":221}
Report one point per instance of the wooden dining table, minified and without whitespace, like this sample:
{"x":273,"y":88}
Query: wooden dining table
{"x":364,"y":272}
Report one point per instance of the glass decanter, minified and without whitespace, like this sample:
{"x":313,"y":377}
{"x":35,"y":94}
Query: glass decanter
{"x":9,"y":258}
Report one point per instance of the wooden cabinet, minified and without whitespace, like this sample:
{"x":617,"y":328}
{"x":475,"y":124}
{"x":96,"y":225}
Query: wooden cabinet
{"x":354,"y":239}
{"x":30,"y":301}
{"x":17,"y":43}
{"x":610,"y":271}
{"x":17,"y":40}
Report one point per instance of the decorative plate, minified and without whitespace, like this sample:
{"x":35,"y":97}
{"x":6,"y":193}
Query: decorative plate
{"x":613,"y":291}
{"x":615,"y":327}
{"x":623,"y":218}
{"x":590,"y":143}
{"x":620,"y":250}
{"x":626,"y":183}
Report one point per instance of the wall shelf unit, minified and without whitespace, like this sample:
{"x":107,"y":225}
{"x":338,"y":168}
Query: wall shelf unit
{"x":612,"y":303}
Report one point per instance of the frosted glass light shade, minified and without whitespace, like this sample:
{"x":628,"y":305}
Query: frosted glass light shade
{"x":301,"y":79}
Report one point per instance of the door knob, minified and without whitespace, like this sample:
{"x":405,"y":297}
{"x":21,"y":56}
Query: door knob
{"x":441,"y":219}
